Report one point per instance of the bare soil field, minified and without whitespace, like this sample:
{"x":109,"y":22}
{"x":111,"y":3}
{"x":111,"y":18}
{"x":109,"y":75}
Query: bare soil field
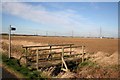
{"x":101,"y":51}
{"x":92,"y":45}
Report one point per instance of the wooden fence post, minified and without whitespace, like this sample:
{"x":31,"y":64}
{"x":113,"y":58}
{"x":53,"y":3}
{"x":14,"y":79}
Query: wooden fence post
{"x":50,"y":55}
{"x":70,"y":49}
{"x":63,"y":62}
{"x":82,"y":54}
{"x":26,"y":52}
{"x":37,"y":59}
{"x":51,"y":52}
{"x":62,"y":56}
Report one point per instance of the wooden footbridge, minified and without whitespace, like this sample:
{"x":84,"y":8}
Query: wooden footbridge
{"x":50,"y":55}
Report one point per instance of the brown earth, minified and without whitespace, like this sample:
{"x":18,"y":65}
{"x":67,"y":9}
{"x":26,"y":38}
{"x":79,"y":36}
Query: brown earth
{"x":102,"y":51}
{"x":92,"y":45}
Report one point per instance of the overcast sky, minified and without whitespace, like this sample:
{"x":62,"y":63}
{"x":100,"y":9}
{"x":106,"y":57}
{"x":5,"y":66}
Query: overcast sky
{"x":61,"y":18}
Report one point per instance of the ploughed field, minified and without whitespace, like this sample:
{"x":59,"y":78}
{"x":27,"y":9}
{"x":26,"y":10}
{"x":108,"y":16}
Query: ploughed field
{"x":92,"y":44}
{"x":101,"y":54}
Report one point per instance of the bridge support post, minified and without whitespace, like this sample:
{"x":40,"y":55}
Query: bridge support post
{"x":50,"y":55}
{"x":26,"y":52}
{"x":37,"y":59}
{"x":82,"y":54}
{"x":51,"y":52}
{"x":63,"y":61}
{"x":70,"y":49}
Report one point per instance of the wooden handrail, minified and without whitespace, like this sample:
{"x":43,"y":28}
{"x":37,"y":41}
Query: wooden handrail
{"x":46,"y":45}
{"x":51,"y":47}
{"x":60,"y":44}
{"x":56,"y":48}
{"x":34,"y":46}
{"x":49,"y":53}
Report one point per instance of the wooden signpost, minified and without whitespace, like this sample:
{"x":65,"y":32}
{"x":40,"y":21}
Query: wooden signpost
{"x":10,"y":29}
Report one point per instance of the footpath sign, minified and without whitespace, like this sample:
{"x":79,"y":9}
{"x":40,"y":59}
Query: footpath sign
{"x":10,"y":29}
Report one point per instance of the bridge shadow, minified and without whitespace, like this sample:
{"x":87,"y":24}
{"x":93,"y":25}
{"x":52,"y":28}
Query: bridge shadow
{"x":72,"y":65}
{"x":8,"y":75}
